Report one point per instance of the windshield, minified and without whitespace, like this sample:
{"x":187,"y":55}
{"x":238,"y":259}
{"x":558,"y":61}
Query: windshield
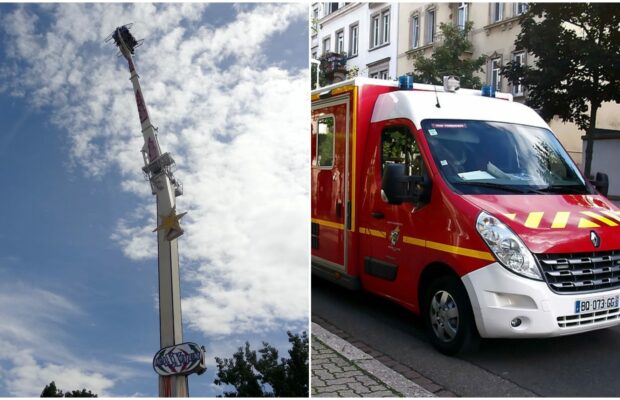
{"x":478,"y":157}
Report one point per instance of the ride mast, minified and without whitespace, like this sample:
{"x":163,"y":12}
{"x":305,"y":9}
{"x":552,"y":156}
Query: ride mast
{"x":158,"y":170}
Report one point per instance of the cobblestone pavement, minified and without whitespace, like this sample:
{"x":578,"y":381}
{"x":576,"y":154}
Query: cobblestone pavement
{"x":340,"y":369}
{"x":335,"y":376}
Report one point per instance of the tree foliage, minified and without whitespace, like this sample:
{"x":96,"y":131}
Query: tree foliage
{"x":263,"y":374}
{"x":450,"y":58}
{"x":577,"y":62}
{"x":52,"y":391}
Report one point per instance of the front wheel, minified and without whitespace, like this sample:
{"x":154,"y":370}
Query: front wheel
{"x":449,"y":317}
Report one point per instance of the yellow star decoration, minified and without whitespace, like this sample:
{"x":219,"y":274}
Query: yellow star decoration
{"x":170,"y":223}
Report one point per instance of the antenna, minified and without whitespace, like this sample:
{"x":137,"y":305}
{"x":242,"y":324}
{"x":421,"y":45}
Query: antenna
{"x":436,"y":97}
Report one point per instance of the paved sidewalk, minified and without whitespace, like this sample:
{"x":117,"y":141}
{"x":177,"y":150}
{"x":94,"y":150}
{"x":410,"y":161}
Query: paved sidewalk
{"x":340,"y":369}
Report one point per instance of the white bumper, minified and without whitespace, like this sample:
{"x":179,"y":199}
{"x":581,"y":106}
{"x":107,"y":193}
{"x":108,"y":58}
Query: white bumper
{"x":498,"y":296}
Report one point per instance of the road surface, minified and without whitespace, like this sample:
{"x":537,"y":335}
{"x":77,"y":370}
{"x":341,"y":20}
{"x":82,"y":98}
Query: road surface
{"x":584,"y":365}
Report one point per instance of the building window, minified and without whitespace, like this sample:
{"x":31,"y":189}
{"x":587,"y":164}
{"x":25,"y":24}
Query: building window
{"x":496,"y":79}
{"x":520,"y":8}
{"x":415,"y":31}
{"x":461,"y":16}
{"x":326,"y":45}
{"x":315,"y":21}
{"x":379,"y":69}
{"x":354,"y":31}
{"x":518,"y":59}
{"x":430,"y":26}
{"x":325,"y":142}
{"x":375,"y":31}
{"x":340,"y":41}
{"x":331,"y":8}
{"x":385,"y":27}
{"x":315,"y":52}
{"x":380,"y":28}
{"x":497,"y":12}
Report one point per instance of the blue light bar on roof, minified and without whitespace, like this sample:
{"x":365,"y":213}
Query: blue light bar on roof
{"x":488,"y":90}
{"x":405,"y":82}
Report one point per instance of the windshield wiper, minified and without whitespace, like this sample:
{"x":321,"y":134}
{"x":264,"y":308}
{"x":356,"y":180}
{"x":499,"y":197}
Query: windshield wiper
{"x":497,"y":186}
{"x":564,"y":189}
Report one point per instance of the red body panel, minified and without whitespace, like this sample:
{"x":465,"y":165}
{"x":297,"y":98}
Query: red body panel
{"x":544,"y":238}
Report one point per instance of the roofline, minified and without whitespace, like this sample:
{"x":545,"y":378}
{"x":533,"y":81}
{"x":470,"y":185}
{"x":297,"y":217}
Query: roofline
{"x":360,"y":81}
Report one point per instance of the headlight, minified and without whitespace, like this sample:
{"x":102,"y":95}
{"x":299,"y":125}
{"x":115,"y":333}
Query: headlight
{"x":507,"y":247}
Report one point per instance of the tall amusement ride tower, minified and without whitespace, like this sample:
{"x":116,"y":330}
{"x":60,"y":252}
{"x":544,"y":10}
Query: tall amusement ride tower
{"x":176,"y":359}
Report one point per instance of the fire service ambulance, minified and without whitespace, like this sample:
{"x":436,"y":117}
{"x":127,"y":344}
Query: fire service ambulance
{"x":463,"y":207}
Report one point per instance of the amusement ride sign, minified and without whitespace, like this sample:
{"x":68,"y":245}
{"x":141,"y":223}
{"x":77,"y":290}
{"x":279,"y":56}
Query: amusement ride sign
{"x":182,"y":359}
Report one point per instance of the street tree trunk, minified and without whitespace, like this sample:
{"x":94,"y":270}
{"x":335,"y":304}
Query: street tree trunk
{"x":590,"y":139}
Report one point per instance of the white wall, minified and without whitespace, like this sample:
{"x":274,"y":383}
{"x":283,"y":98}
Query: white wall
{"x":605,"y":159}
{"x":361,"y":13}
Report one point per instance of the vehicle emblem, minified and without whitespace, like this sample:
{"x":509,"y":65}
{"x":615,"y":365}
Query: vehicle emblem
{"x":595,"y":239}
{"x":394,"y":236}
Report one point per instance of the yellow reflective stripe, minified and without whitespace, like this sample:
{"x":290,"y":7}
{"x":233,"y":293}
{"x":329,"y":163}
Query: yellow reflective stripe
{"x":414,"y":241}
{"x":561,"y":219}
{"x":372,"y":232}
{"x":483,"y":255}
{"x":343,"y":89}
{"x":329,"y":224}
{"x":533,"y":220}
{"x":599,"y":217}
{"x":585,"y":223}
{"x":612,"y":214}
{"x":511,"y":216}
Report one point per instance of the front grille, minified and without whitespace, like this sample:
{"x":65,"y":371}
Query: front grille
{"x":568,"y":321}
{"x":581,"y":272}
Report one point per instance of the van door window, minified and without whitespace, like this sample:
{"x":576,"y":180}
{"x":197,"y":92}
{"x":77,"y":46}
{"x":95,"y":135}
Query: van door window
{"x":399,"y":146}
{"x":325,"y":141}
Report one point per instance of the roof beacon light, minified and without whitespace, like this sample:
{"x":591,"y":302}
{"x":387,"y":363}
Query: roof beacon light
{"x":405,"y":82}
{"x":488,"y":90}
{"x":451,"y":83}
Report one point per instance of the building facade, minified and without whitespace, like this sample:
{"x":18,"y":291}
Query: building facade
{"x":366,"y":32}
{"x":494,"y":31}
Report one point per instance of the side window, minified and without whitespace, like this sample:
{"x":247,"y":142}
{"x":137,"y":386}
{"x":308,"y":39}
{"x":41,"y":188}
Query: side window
{"x":325,"y":141}
{"x":399,"y":146}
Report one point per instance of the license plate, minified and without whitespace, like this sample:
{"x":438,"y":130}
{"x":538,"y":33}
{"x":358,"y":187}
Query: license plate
{"x":592,"y":305}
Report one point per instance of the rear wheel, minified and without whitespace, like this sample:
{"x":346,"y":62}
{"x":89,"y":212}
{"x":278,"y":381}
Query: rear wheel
{"x":449,"y":317}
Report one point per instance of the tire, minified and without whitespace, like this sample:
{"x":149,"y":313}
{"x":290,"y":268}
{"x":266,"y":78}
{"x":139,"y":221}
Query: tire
{"x":449,"y":317}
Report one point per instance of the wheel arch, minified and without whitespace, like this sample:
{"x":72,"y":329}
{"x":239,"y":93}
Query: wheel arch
{"x":430,"y":273}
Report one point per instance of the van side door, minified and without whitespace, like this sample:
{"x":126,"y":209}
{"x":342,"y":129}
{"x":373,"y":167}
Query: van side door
{"x":388,"y":231}
{"x":330,"y":187}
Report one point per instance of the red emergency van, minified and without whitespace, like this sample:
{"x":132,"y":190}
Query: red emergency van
{"x":463,"y":208}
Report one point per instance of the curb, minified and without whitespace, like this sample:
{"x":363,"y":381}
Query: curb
{"x":369,"y":364}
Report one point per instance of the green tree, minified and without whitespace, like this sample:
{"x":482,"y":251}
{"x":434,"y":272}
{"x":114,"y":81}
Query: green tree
{"x":52,"y":391}
{"x":80,"y":393}
{"x":266,"y":376}
{"x":450,"y":58}
{"x":576,"y":49}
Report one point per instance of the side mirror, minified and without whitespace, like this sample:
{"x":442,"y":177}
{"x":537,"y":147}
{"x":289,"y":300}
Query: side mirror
{"x":601,"y":183}
{"x":398,"y":187}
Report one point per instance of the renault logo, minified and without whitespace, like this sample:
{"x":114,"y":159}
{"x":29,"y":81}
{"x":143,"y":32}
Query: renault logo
{"x":595,"y":239}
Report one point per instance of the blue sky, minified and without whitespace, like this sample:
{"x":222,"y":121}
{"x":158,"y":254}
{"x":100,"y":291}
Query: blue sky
{"x":227,"y":86}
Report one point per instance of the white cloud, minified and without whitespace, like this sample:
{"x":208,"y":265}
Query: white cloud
{"x":235,"y":124}
{"x":32,"y":353}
